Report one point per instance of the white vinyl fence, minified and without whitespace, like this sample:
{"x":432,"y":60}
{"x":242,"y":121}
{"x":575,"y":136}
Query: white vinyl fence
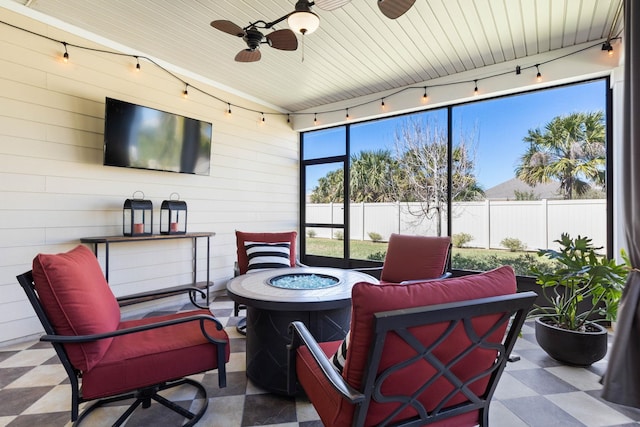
{"x":535,"y":223}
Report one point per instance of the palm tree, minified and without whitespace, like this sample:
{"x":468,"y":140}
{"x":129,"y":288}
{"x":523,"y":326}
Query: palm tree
{"x":570,"y":150}
{"x":373,"y":177}
{"x":330,"y":188}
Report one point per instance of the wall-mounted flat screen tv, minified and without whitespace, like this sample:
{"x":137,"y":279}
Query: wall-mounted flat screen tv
{"x":145,"y":138}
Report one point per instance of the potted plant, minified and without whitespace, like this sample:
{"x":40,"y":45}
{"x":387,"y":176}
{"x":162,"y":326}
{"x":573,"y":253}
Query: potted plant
{"x":584,"y":289}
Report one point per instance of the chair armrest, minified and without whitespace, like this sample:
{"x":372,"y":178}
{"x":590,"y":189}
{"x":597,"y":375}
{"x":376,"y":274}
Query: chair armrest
{"x":300,"y":335}
{"x":409,"y":282}
{"x":160,"y":293}
{"x":236,"y":269}
{"x":68,"y":339}
{"x":366,"y":269}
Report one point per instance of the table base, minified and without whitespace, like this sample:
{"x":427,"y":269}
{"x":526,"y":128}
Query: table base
{"x":267,"y":339}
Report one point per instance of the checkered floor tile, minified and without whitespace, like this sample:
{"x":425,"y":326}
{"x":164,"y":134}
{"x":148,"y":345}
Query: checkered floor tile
{"x":534,"y":391}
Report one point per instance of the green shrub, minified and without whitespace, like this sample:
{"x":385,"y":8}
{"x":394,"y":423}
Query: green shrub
{"x":338,"y":235}
{"x":521,"y":264}
{"x":461,"y":239}
{"x":311,"y":233}
{"x":375,"y":237}
{"x":513,"y":244}
{"x":377,"y":256}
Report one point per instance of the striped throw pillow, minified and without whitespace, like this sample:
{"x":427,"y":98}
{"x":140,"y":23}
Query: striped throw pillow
{"x":263,"y":255}
{"x":340,"y":357}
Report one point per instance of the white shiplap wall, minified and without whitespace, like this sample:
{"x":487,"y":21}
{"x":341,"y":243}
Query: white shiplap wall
{"x":55,"y":190}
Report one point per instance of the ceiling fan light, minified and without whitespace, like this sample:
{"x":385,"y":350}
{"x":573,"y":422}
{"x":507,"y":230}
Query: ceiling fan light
{"x":303,"y":22}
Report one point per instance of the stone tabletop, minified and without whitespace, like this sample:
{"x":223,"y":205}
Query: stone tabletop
{"x":255,"y":286}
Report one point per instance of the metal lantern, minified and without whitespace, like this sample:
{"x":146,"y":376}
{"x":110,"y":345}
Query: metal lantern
{"x":137,"y":216}
{"x":173,"y":216}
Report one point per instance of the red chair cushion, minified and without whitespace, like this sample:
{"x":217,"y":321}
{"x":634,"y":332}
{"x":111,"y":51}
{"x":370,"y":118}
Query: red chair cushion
{"x":324,"y":397}
{"x":411,"y":257}
{"x":77,"y":300}
{"x":151,"y":357}
{"x":368,"y":299}
{"x":242,"y":237}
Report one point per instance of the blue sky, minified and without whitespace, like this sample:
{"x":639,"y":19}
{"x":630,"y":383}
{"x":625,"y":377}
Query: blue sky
{"x":501,"y":123}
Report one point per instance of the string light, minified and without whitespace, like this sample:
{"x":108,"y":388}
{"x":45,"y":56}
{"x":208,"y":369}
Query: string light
{"x":382,"y":104}
{"x":605,"y":46}
{"x":262,"y":119}
{"x":475,"y":89}
{"x":185,"y":94}
{"x":65,"y":57}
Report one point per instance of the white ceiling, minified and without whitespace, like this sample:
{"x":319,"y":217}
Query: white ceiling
{"x":356,"y":51}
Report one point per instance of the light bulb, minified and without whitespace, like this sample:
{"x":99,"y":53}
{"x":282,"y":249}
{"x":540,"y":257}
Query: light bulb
{"x":65,"y":57}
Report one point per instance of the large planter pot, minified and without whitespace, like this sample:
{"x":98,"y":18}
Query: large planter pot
{"x":572,"y":347}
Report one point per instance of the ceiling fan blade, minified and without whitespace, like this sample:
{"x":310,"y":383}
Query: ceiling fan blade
{"x":228,"y":27}
{"x":330,"y":4}
{"x":394,"y":8}
{"x":283,"y":40}
{"x":248,"y":55}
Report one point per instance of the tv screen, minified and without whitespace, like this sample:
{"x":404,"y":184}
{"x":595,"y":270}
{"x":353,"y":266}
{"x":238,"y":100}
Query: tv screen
{"x":145,"y":138}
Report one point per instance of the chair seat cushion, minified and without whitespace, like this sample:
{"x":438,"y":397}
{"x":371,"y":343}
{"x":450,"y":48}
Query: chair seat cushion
{"x":77,"y":300}
{"x":324,"y":397}
{"x":150,"y":357}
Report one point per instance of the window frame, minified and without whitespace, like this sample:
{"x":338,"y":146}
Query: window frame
{"x":347,"y":262}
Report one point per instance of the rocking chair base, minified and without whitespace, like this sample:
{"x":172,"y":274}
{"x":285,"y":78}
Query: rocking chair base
{"x":144,"y":396}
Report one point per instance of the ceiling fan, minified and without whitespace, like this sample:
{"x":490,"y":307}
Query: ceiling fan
{"x":253,"y":37}
{"x":302,"y":20}
{"x":390,"y":8}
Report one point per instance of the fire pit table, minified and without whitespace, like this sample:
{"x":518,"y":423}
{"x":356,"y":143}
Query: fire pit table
{"x":318,"y":296}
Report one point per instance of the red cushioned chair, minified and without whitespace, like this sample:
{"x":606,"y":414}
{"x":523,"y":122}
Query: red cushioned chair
{"x":244,"y":260}
{"x":424,"y":353}
{"x":412,"y":259}
{"x":108,"y":359}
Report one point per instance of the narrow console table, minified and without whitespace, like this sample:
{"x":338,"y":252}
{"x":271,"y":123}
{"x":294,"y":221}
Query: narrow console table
{"x":108,"y":240}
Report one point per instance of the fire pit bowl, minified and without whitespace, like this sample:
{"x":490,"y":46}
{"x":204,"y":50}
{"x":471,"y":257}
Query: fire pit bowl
{"x":303,"y":281}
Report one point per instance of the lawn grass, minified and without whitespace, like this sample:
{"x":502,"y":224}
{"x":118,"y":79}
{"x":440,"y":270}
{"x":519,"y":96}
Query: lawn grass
{"x":462,"y":258}
{"x":360,"y":249}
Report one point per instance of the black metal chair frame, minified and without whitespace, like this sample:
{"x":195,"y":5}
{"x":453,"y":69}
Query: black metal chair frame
{"x":142,"y":396}
{"x":514,"y":307}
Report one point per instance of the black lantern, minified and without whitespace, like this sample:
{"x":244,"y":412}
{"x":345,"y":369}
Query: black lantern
{"x":173,"y":216}
{"x":137,"y":216}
